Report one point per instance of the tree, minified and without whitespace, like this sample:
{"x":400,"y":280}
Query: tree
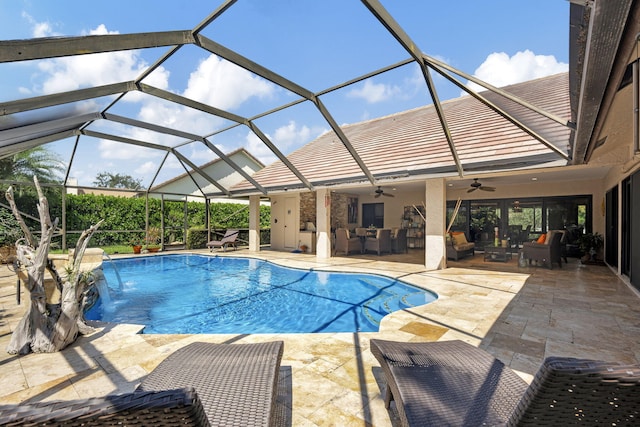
{"x":109,"y":180}
{"x":48,"y":326}
{"x":38,"y":161}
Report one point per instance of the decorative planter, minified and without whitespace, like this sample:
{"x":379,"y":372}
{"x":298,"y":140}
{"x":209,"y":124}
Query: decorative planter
{"x":137,"y":249}
{"x":153,"y":248}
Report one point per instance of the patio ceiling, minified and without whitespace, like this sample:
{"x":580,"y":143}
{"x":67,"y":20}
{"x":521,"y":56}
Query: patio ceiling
{"x":63,"y":121}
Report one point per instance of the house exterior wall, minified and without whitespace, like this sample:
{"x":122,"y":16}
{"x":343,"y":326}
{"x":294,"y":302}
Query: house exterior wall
{"x":393,"y":207}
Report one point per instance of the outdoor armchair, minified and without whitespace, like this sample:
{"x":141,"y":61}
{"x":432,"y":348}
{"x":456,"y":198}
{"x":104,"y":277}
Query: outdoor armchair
{"x":548,"y":252}
{"x":454,"y":383}
{"x":458,"y":247}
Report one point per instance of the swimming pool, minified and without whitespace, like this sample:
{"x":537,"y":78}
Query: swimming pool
{"x":191,"y":294}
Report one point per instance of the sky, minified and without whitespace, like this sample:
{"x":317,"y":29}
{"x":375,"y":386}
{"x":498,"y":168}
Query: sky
{"x":315,"y":44}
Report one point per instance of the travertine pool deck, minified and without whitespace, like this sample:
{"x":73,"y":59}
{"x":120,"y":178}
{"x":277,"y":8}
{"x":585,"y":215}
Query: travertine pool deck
{"x":521,"y":315}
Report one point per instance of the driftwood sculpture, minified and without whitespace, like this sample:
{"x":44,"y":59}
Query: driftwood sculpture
{"x":48,"y":327}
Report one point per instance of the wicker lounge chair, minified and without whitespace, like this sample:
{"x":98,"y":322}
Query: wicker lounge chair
{"x":229,"y":239}
{"x":199,"y":385}
{"x":453,"y":383}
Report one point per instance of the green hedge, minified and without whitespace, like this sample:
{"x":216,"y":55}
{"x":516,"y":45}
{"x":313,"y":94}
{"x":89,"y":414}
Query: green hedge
{"x":124,"y":219}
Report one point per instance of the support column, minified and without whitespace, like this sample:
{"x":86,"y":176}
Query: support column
{"x":254,"y":223}
{"x":436,"y":215}
{"x":323,"y":224}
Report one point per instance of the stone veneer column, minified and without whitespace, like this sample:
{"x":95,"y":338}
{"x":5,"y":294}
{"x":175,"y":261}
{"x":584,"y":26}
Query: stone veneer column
{"x":323,"y":224}
{"x":436,"y":215}
{"x":254,"y":223}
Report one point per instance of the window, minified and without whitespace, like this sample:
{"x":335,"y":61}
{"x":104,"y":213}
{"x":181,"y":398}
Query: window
{"x":373,"y":214}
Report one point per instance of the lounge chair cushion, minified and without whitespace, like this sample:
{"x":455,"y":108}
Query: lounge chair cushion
{"x":458,"y":238}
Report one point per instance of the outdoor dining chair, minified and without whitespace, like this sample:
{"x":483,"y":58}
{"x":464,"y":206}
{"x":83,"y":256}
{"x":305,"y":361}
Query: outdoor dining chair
{"x":380,"y":243}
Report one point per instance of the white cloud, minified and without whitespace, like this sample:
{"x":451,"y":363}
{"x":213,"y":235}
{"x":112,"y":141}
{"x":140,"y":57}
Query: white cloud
{"x":39,"y":29}
{"x":374,"y":92}
{"x":499,"y":69}
{"x":257,"y":148}
{"x":146,"y":168}
{"x":70,"y":73}
{"x":112,"y":150}
{"x":287,"y":138}
{"x":224,"y":85}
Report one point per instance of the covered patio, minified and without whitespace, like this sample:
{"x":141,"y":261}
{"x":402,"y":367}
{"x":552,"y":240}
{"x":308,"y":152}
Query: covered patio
{"x":521,"y":315}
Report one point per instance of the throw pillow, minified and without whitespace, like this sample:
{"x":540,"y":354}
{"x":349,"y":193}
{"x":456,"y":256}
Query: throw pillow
{"x":541,"y":239}
{"x":458,"y":238}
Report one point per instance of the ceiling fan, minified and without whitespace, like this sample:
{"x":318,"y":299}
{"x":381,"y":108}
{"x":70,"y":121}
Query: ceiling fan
{"x":475,"y":185}
{"x":379,"y":193}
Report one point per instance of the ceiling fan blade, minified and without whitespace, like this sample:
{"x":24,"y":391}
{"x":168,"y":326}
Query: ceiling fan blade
{"x":472,"y":189}
{"x":388,"y":195}
{"x":488,"y":188}
{"x":377,"y":195}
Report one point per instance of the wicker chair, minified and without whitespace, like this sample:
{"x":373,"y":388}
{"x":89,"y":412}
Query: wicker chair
{"x":455,"y":383}
{"x":549,"y":252}
{"x":399,"y":242}
{"x":345,"y":243}
{"x":381,"y":243}
{"x":201,"y":384}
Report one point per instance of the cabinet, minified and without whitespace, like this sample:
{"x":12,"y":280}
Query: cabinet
{"x":308,"y":238}
{"x":413,"y":221}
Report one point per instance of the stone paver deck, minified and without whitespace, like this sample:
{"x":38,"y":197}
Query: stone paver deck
{"x":521,"y":315}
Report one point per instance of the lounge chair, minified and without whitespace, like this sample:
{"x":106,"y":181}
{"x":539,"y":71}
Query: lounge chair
{"x":201,"y":384}
{"x":229,"y":239}
{"x":455,"y":383}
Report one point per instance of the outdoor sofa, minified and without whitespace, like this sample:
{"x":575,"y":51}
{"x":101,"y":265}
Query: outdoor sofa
{"x":200,"y":384}
{"x":452,"y":383}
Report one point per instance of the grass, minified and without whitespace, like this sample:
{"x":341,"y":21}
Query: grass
{"x":109,"y":250}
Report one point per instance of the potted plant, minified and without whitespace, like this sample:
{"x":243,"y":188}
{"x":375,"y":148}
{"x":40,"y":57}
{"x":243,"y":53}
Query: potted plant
{"x":591,"y":243}
{"x":153,"y":238}
{"x":136,"y":244}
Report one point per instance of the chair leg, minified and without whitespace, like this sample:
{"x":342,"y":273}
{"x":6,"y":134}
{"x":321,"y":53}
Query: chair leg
{"x":388,"y":397}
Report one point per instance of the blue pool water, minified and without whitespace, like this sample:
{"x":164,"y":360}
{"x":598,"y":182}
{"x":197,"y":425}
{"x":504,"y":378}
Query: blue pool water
{"x":176,"y":294}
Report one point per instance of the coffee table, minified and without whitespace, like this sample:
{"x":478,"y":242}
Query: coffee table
{"x":497,"y":253}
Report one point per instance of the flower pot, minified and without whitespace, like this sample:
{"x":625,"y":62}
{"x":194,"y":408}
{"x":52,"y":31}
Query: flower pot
{"x":137,"y":249}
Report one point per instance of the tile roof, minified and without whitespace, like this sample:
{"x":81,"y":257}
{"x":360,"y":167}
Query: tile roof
{"x":413,"y":143}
